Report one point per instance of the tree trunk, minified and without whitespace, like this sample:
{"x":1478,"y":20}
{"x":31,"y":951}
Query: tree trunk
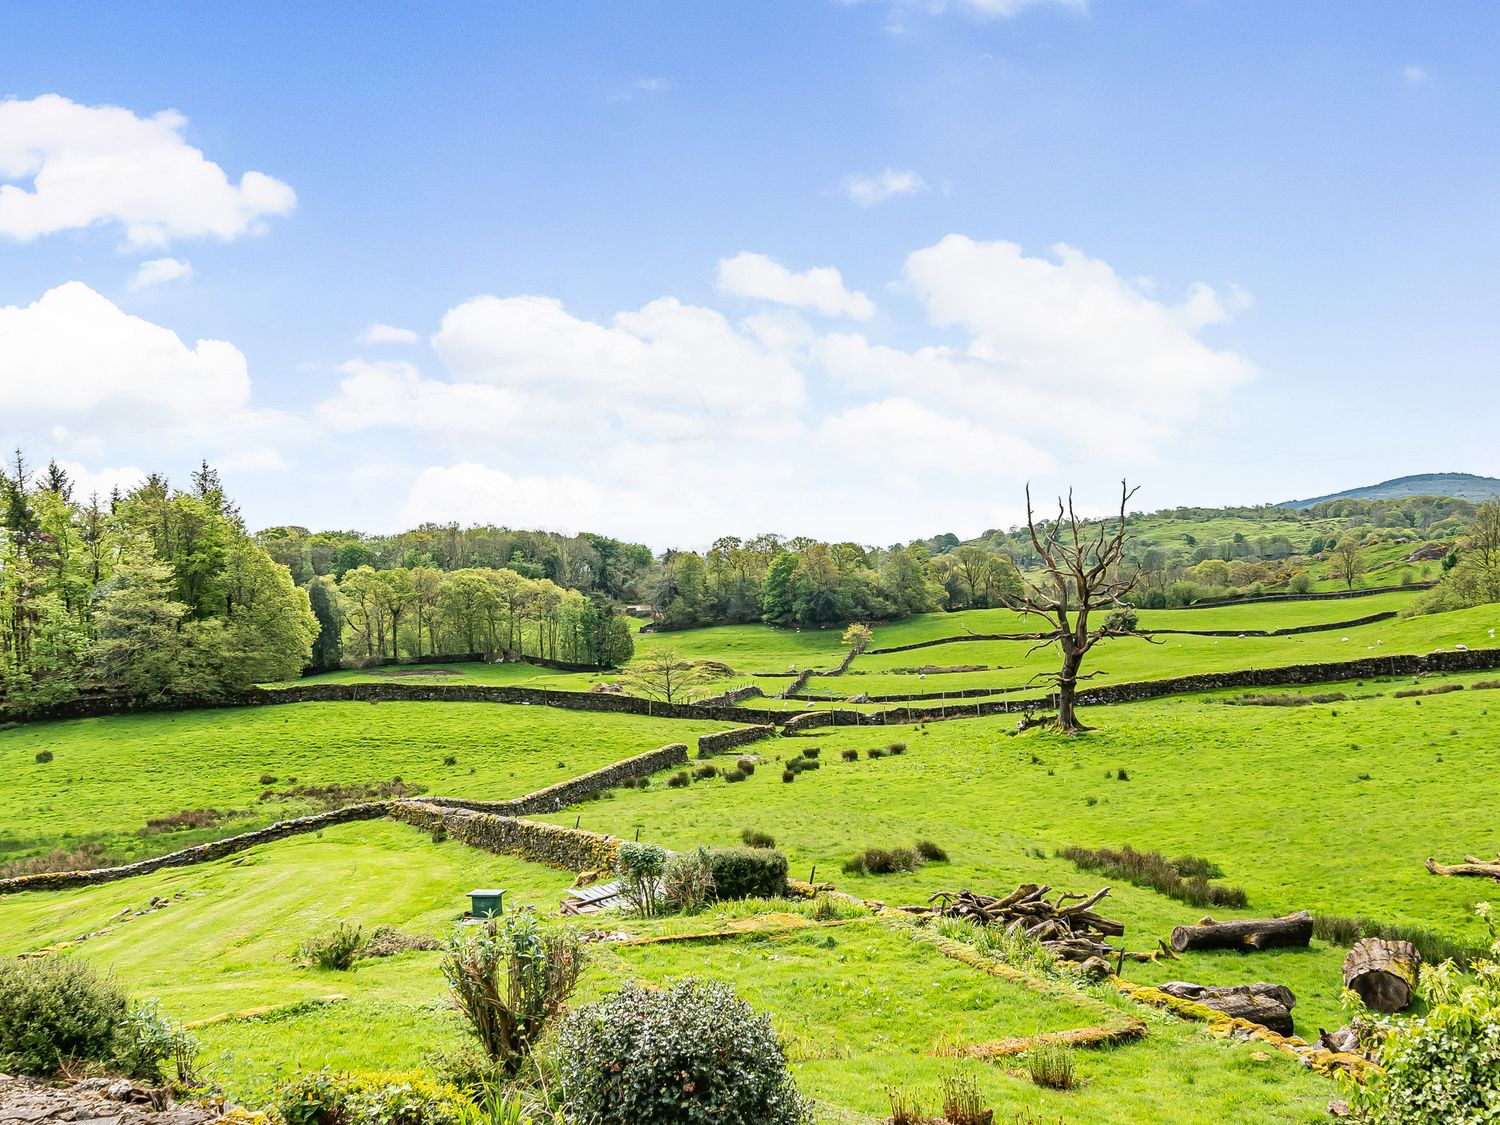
{"x":1067,"y":694}
{"x":1384,"y":973}
{"x":1269,"y":1005}
{"x":1248,"y":935}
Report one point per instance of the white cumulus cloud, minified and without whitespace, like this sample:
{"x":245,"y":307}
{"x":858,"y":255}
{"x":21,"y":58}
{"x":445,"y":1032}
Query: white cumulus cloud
{"x":748,"y":274}
{"x":473,"y":493}
{"x":88,"y":165}
{"x":159,"y":271}
{"x":101,"y":482}
{"x":867,"y":190}
{"x":379,"y":333}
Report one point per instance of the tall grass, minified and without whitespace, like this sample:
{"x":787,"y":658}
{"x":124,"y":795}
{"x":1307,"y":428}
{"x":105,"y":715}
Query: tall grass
{"x":1337,"y":929}
{"x":1186,"y":878}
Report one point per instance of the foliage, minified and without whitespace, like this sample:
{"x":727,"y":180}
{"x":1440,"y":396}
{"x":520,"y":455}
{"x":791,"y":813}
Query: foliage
{"x":962,"y":1103}
{"x":883,"y":861}
{"x":690,"y":1054}
{"x":1186,"y":878}
{"x":336,"y":949}
{"x":1337,"y":929}
{"x":640,"y":868}
{"x":329,"y":1097}
{"x":748,"y":872}
{"x":931,"y":852}
{"x":755,"y":838}
{"x":149,"y":1041}
{"x":1051,"y":1065}
{"x":688,"y":881}
{"x":1445,"y":1064}
{"x":509,"y":978}
{"x":858,"y":637}
{"x":53,"y":1009}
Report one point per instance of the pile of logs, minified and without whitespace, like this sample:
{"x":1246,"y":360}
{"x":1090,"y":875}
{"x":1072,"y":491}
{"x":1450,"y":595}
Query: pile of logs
{"x":1067,"y":927}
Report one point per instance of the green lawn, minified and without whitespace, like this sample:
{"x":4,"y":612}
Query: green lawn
{"x":109,"y":775}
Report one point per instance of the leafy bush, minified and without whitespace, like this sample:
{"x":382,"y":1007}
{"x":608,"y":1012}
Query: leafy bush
{"x":755,"y":838}
{"x":269,"y":779}
{"x":703,"y":773}
{"x":931,"y":852}
{"x":44,"y":756}
{"x":690,"y":1054}
{"x":811,"y":751}
{"x":734,"y":775}
{"x":875,"y":752}
{"x":849,"y":755}
{"x":1445,"y":1065}
{"x":509,"y":978}
{"x":748,"y":872}
{"x":53,"y":1009}
{"x":640,"y":868}
{"x":336,"y":949}
{"x":788,"y":775}
{"x":329,"y":1097}
{"x":679,"y":780}
{"x":896,"y":748}
{"x":149,"y":1041}
{"x":1185,"y":878}
{"x":883,"y":861}
{"x":1051,"y":1065}
{"x":688,"y":880}
{"x":745,"y":763}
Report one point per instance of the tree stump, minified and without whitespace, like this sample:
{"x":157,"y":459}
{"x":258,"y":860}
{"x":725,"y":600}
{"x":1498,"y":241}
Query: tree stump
{"x":1384,"y":973}
{"x":1247,"y":935}
{"x":1269,"y":1005}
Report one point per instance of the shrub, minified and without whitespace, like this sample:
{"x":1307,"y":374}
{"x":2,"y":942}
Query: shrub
{"x":755,"y":838}
{"x":788,"y":775}
{"x":85,"y":858}
{"x":640,"y":867}
{"x":1051,"y":1065}
{"x":1186,"y":878}
{"x":931,"y":852}
{"x":703,"y":773}
{"x":54,"y":1009}
{"x":509,"y":978}
{"x":896,"y":748}
{"x":148,"y":1041}
{"x":1121,"y":775}
{"x":688,"y":881}
{"x":875,"y":752}
{"x":811,"y":751}
{"x":689,"y":1054}
{"x":336,"y":949}
{"x":809,"y":764}
{"x":734,"y":775}
{"x":849,"y":755}
{"x":883,"y":861}
{"x":679,"y":780}
{"x":748,"y":873}
{"x":745,"y":764}
{"x":44,"y":756}
{"x":387,"y":941}
{"x":1441,"y":689}
{"x":269,"y":779}
{"x":329,"y":1097}
{"x":450,"y":760}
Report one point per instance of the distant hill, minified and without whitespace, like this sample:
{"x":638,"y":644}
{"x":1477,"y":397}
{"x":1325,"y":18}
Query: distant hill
{"x":1462,"y":486}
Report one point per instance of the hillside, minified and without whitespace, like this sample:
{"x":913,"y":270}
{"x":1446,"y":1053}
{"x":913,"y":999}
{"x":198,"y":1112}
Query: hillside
{"x":1461,"y":486}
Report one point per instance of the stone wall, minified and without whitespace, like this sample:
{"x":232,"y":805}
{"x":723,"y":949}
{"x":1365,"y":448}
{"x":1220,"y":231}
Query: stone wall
{"x":730,"y":698}
{"x":202,"y":853}
{"x":727,"y":740}
{"x":572,"y":849}
{"x":1316,"y":596}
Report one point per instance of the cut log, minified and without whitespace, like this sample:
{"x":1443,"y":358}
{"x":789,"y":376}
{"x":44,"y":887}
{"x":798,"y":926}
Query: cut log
{"x":1484,"y":869}
{"x":1269,"y":1005}
{"x":1384,"y":973}
{"x":1249,"y":934}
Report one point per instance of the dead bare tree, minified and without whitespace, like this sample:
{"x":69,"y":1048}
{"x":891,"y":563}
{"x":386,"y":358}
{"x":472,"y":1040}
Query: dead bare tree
{"x":1083,"y":578}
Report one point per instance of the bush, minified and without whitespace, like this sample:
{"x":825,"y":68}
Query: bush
{"x":748,"y":873}
{"x":703,"y":773}
{"x":811,"y":751}
{"x":688,"y":881}
{"x":788,"y":775}
{"x":849,"y":755}
{"x":734,"y":775}
{"x":896,"y":748}
{"x":755,"y":838}
{"x":329,"y":1097}
{"x":44,"y":756}
{"x":336,"y":949}
{"x":509,"y":978}
{"x":269,"y":779}
{"x":875,"y":752}
{"x":149,"y":1041}
{"x":745,"y":764}
{"x":679,"y":780}
{"x":691,"y":1054}
{"x":931,"y":852}
{"x":640,"y":867}
{"x":883,"y":861}
{"x":1051,"y":1065}
{"x":53,"y":1009}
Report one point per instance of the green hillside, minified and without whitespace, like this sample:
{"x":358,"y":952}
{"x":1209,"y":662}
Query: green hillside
{"x":1461,"y":486}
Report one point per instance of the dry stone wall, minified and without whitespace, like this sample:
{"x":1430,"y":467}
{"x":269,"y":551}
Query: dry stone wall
{"x":727,"y":740}
{"x":572,"y":849}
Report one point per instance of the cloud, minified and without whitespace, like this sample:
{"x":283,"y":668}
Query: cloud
{"x":397,"y":395}
{"x":88,"y":483}
{"x":159,"y":271}
{"x":75,"y":354}
{"x":258,"y":460}
{"x":902,"y":434}
{"x":887,"y":184}
{"x":473,"y":493}
{"x":1002,"y":9}
{"x":91,"y":165}
{"x":821,"y":289}
{"x":1007,"y":8}
{"x":1414,"y":75}
{"x":654,"y":85}
{"x":379,"y":333}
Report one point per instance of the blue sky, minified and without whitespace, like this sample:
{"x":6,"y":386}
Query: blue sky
{"x":1238,"y":252}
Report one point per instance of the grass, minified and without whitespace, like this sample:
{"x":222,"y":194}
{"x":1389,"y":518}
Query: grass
{"x":110,"y":776}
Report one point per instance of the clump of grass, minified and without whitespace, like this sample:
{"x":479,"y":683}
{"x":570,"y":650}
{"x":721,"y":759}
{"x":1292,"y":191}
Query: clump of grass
{"x":703,"y":773}
{"x":883,"y":861}
{"x":788,"y":775}
{"x":1440,"y":689}
{"x":1272,"y":699}
{"x":269,"y":779}
{"x":811,"y":752}
{"x":43,"y":756}
{"x":182,"y":821}
{"x":905,"y":1108}
{"x":849,"y":755}
{"x":875,"y":752}
{"x":1484,"y":685}
{"x":1091,"y":801}
{"x":896,"y":748}
{"x":679,"y":780}
{"x":745,"y":764}
{"x":931,"y":852}
{"x":962,"y":1104}
{"x":755,"y":838}
{"x":1337,"y":929}
{"x":734,"y":775}
{"x":1051,"y":1066}
{"x":1121,"y":775}
{"x":85,"y":858}
{"x":336,"y":949}
{"x":1186,"y":879}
